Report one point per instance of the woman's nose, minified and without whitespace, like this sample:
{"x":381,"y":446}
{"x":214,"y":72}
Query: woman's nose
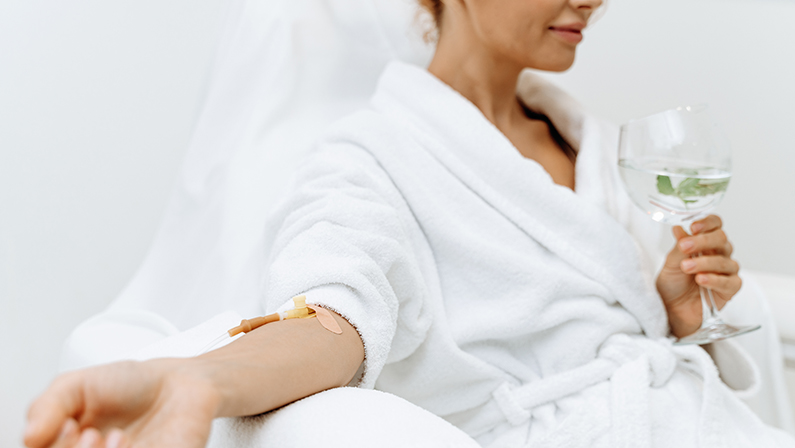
{"x":586,"y":4}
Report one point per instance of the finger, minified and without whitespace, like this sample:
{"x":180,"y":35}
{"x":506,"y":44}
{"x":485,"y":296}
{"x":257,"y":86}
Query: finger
{"x":715,"y":264}
{"x":708,"y":224}
{"x":117,"y":439}
{"x":679,"y":233}
{"x":676,"y":255}
{"x":68,"y":436}
{"x":48,"y":413}
{"x":714,"y":242}
{"x":91,"y":438}
{"x":725,"y":286}
{"x":725,"y":251}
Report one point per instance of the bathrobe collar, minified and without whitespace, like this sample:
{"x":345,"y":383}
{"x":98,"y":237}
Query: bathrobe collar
{"x":579,"y":227}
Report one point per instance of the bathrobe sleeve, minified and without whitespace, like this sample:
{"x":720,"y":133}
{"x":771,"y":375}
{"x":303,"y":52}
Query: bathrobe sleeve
{"x":346,"y":238}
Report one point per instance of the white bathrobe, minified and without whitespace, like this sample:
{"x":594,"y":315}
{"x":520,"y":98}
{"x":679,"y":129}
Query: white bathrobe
{"x":518,"y":310}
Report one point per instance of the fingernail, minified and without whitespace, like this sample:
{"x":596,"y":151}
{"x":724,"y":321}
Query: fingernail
{"x":697,"y":227}
{"x":686,"y":244}
{"x":88,"y":439}
{"x":114,"y":439}
{"x":66,"y":429}
{"x":701,"y":279}
{"x":688,"y":265}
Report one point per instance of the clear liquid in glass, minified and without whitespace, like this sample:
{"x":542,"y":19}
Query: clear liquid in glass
{"x":672,"y":191}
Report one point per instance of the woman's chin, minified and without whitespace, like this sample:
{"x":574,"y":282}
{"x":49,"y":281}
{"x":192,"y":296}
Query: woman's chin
{"x":552,"y":58}
{"x":552,"y":65}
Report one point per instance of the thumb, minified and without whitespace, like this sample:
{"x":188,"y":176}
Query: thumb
{"x":679,"y":233}
{"x":47,"y":415}
{"x":676,"y":256}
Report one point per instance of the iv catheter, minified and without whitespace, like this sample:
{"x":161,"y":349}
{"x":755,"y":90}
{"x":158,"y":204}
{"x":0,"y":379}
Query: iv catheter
{"x":300,"y":311}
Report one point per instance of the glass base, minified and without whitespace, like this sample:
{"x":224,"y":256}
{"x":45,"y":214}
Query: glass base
{"x":716,"y":331}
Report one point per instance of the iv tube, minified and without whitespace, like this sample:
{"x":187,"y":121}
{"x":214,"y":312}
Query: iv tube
{"x":247,"y":325}
{"x":301,"y":311}
{"x":212,"y":344}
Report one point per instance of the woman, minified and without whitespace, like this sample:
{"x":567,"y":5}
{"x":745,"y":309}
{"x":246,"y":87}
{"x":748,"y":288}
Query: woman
{"x":470,"y":229}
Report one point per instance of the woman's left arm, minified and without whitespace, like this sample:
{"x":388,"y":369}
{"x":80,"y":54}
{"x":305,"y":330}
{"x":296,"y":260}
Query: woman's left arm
{"x":700,"y":259}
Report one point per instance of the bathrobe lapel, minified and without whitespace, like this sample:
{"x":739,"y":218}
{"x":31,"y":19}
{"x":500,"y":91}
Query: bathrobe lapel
{"x":577,"y":227}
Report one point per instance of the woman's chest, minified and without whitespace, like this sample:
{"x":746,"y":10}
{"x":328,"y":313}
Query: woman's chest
{"x":539,"y":141}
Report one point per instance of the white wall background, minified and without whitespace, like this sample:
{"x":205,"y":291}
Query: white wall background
{"x":97,"y":100}
{"x":645,"y":56}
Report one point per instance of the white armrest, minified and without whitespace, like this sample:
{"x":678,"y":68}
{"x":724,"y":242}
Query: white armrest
{"x":126,"y":334}
{"x":780,"y":292}
{"x":113,"y":335}
{"x":751,"y":306}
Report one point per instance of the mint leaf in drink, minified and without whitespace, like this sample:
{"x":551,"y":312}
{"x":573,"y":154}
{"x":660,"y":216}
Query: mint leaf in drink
{"x":664,"y":186}
{"x":712,"y":186}
{"x":688,"y":188}
{"x":691,"y":187}
{"x":695,"y":187}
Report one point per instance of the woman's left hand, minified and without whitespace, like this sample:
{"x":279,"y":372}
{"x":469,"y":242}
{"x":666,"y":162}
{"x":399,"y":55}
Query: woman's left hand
{"x":710,"y":267}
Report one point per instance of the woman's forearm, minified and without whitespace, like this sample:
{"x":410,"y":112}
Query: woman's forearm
{"x":174,"y":400}
{"x":279,"y":363}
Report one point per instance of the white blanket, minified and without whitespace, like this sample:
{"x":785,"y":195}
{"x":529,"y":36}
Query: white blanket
{"x":518,"y":310}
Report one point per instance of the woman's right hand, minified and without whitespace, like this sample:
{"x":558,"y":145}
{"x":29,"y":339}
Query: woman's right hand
{"x":145,"y":404}
{"x":172,"y":402}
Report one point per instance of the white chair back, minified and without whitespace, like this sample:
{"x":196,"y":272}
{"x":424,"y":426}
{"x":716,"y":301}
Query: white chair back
{"x":285,"y":70}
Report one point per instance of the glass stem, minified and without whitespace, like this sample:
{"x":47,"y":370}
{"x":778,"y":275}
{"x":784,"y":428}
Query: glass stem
{"x":709,"y":309}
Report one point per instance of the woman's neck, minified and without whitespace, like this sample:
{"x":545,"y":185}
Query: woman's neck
{"x":486,"y":79}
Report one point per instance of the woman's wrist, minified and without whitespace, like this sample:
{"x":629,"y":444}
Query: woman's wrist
{"x":683,"y":322}
{"x":195,"y":376}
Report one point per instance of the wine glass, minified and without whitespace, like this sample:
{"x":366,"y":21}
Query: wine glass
{"x":676,"y":166}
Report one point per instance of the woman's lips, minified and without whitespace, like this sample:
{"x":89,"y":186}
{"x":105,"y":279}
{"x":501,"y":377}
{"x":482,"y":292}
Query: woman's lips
{"x":570,"y":35}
